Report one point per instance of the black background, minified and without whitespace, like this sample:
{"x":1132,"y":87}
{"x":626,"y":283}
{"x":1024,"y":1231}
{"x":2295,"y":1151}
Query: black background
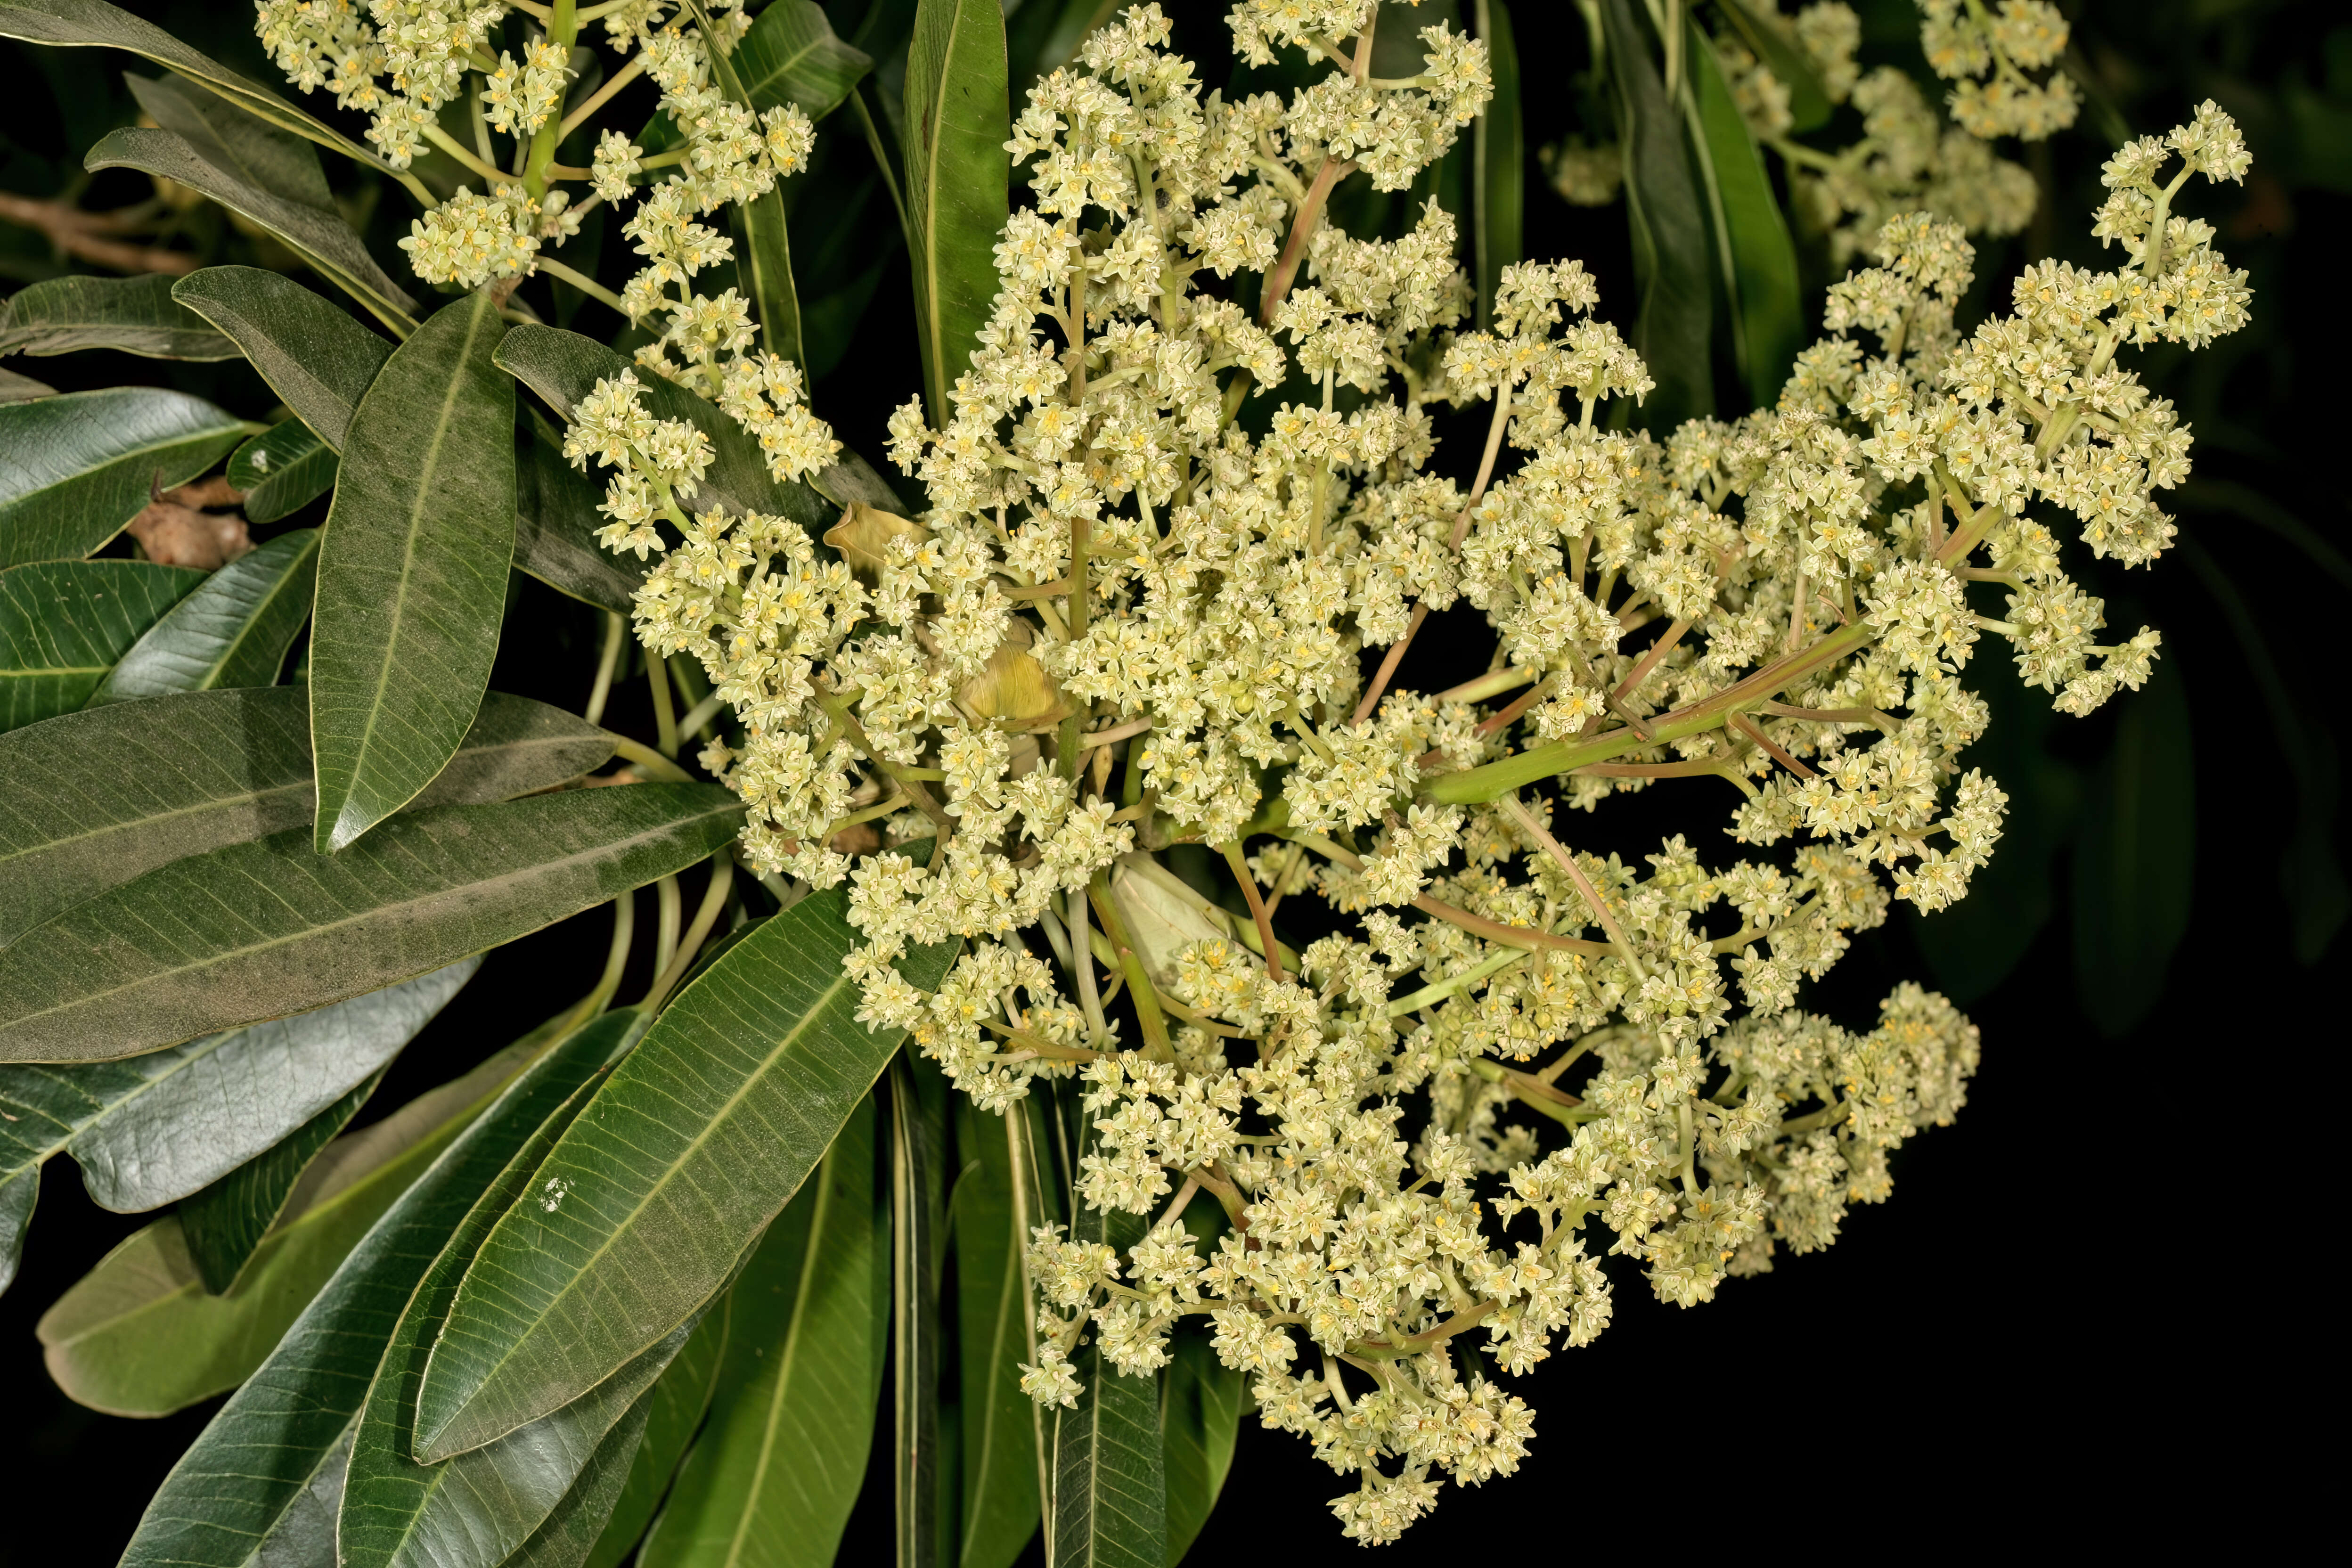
{"x":2090,"y":1310}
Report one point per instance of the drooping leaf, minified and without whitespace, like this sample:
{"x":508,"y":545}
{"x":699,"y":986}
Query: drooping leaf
{"x":957,"y":121}
{"x":260,"y":930}
{"x":413,"y":574}
{"x":1497,"y":160}
{"x":674,"y":1409}
{"x":578,"y":1524}
{"x":700,"y":1138}
{"x":917,"y":1220}
{"x":76,"y":468}
{"x":772,"y":1480}
{"x":140,"y":1334}
{"x":482,"y":1505}
{"x":136,"y":315}
{"x":282,"y":470}
{"x":563,"y":367}
{"x":1771,"y":39}
{"x":1199,"y":1417}
{"x":70,"y":23}
{"x":90,"y":800}
{"x":64,"y":623}
{"x":2135,"y":859}
{"x":997,"y":1202}
{"x":312,"y":354}
{"x":556,"y":521}
{"x":233,"y":630}
{"x":224,"y":1223}
{"x":1111,"y":1504}
{"x":793,"y":56}
{"x":252,"y":1484}
{"x":1759,"y":259}
{"x":1671,"y":252}
{"x":258,"y":171}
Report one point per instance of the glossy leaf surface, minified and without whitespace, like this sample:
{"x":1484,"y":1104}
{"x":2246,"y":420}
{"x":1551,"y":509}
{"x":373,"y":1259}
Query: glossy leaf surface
{"x":918,"y":1124}
{"x":281,"y":470}
{"x":793,"y":56}
{"x":224,"y":1225}
{"x":76,"y":468}
{"x":556,"y":521}
{"x":956,"y":169}
{"x":90,"y":800}
{"x":254,"y":1482}
{"x":63,"y":624}
{"x":675,"y":1407}
{"x":579,"y":1522}
{"x":1671,"y":251}
{"x":1199,"y":1417}
{"x":312,"y":354}
{"x":1760,"y":258}
{"x":412,"y":573}
{"x":135,"y":315}
{"x":1110,"y":1507}
{"x":699,"y":1139}
{"x":233,"y":630}
{"x":772,"y":1480}
{"x":265,"y":929}
{"x":997,"y":1202}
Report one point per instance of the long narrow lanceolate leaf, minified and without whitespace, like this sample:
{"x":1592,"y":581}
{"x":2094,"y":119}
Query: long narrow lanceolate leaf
{"x":283,"y":469}
{"x":224,"y":1225}
{"x":260,"y":930}
{"x":956,"y":173}
{"x":68,"y":23}
{"x":1200,"y":1417}
{"x":482,"y":1505}
{"x":701,"y":1137}
{"x":918,"y":1221}
{"x":238,"y":1493}
{"x":64,"y":623}
{"x":579,"y":1522}
{"x":136,"y":315}
{"x":413,"y":574}
{"x":1497,"y":159}
{"x":233,"y":630}
{"x":1771,"y":39}
{"x":140,"y":1334}
{"x":996,"y":1205}
{"x":763,"y":252}
{"x":313,"y":355}
{"x":258,"y":171}
{"x":75,"y":468}
{"x":1670,"y":261}
{"x":1110,"y":1508}
{"x":771,"y":1480}
{"x":89,"y":800}
{"x":1759,"y":259}
{"x":556,"y":521}
{"x":793,"y":56}
{"x":675,"y":1407}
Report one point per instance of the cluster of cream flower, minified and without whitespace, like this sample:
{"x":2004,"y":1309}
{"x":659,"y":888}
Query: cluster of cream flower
{"x":1117,"y":575}
{"x":1907,"y":160}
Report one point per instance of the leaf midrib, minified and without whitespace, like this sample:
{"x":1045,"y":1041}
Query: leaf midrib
{"x":784,"y":1361}
{"x":8,"y":503}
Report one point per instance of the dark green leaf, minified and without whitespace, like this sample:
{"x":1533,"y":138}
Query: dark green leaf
{"x":701,"y":1137}
{"x":68,"y":23}
{"x":772,"y":1478}
{"x":90,"y":800}
{"x":675,"y":1408}
{"x":763,"y":250}
{"x":578,"y":1524}
{"x":136,"y":315}
{"x":482,"y":1505}
{"x":312,"y":354}
{"x":257,"y":170}
{"x":1671,"y":252}
{"x":918,"y":1218}
{"x":2136,"y":858}
{"x":74,"y":470}
{"x":1200,"y":1417}
{"x":265,"y":929}
{"x":1771,"y":39}
{"x":282,"y":470}
{"x":957,"y":121}
{"x":556,"y":521}
{"x":1759,"y":259}
{"x":64,"y":623}
{"x":224,"y":1225}
{"x":997,"y":1204}
{"x":765,"y":261}
{"x":233,"y":630}
{"x":563,"y":367}
{"x":1498,"y":160}
{"x":18,"y":1194}
{"x":791,"y":55}
{"x":254,"y":1482}
{"x":1110,"y":1505}
{"x":413,"y":574}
